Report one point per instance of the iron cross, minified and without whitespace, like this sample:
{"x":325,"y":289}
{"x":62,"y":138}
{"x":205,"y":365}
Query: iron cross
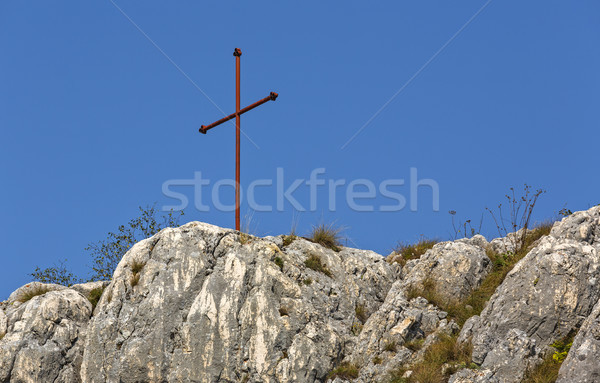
{"x":238,"y":112}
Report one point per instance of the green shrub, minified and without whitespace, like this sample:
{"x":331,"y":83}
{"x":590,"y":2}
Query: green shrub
{"x":57,"y":274}
{"x":279,"y":262}
{"x":308,"y":281}
{"x":345,"y":371}
{"x":95,"y":295}
{"x":107,"y":254}
{"x":327,"y":235}
{"x":314,"y":262}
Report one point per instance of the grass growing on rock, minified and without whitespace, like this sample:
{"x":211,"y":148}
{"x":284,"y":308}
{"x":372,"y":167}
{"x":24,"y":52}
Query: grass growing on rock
{"x":315,"y":263}
{"x":345,"y":371}
{"x":446,"y":352}
{"x":547,"y":371}
{"x":32,"y":293}
{"x":406,"y":252}
{"x":136,"y":269}
{"x":327,"y":235}
{"x":502,"y":264}
{"x":288,"y":239}
{"x":95,"y":296}
{"x":279,"y":262}
{"x":361,"y":313}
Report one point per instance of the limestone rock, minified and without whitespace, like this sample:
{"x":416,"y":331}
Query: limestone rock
{"x":44,"y":338}
{"x":582,"y":364}
{"x":456,"y":268}
{"x":204,"y":307}
{"x":17,"y":296}
{"x":474,"y":376}
{"x":86,"y":288}
{"x":545,"y":296}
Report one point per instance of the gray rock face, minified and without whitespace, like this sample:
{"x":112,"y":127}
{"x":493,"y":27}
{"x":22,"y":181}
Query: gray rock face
{"x":43,"y":338}
{"x":583,"y":360}
{"x":547,"y":294}
{"x":200,"y":304}
{"x":206,"y":308}
{"x":457,"y":268}
{"x":474,"y":376}
{"x":395,"y":323}
{"x":86,"y":288}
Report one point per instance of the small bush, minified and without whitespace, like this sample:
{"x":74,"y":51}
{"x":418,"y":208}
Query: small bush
{"x":95,"y":296}
{"x":314,"y":262}
{"x":58,"y":274}
{"x":32,"y":293}
{"x":308,"y":281}
{"x":406,"y":252}
{"x":279,"y":262}
{"x":361,"y":313}
{"x":345,"y":371}
{"x":283,"y":311}
{"x":327,"y":235}
{"x":377,"y":360}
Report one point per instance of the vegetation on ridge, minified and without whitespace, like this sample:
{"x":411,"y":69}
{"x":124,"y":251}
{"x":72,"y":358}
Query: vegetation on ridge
{"x":106,"y":254}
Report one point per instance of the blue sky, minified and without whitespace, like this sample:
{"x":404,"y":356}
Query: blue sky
{"x":95,"y":118}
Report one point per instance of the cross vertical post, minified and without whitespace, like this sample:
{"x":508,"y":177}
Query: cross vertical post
{"x":238,"y":113}
{"x":237,"y":53}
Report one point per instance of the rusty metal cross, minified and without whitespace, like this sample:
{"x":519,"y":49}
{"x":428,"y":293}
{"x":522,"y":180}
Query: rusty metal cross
{"x":238,"y":112}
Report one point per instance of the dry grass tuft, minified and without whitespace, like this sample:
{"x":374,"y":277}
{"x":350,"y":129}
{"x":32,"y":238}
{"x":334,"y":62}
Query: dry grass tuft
{"x":32,"y":293}
{"x":136,"y":269}
{"x":345,"y":371}
{"x":429,"y":370}
{"x":327,"y":235}
{"x":361,"y":313}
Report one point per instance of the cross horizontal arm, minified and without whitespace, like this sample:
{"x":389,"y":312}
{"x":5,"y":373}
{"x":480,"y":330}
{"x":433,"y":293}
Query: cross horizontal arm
{"x":205,"y":128}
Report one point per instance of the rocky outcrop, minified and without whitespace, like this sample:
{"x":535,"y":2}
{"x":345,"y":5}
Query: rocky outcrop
{"x":204,"y":307}
{"x":201,"y":303}
{"x":547,"y":295}
{"x":381,"y":345}
{"x":456,"y":268}
{"x":43,"y":337}
{"x":583,"y":360}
